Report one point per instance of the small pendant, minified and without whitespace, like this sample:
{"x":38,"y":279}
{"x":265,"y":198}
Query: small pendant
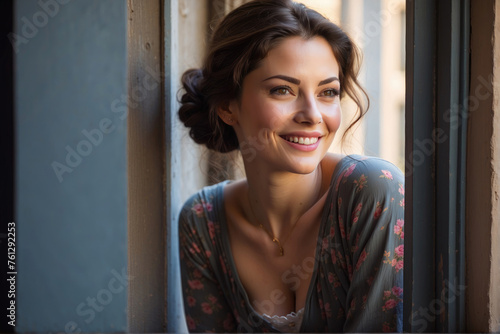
{"x":282,"y":252}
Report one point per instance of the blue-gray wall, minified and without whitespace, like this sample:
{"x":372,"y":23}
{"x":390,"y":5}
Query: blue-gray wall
{"x":71,"y":191}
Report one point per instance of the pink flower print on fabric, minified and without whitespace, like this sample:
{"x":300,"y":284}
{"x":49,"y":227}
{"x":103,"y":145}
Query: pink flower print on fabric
{"x":391,"y":303}
{"x":330,"y":277}
{"x":344,"y":175}
{"x":333,"y":254}
{"x":387,"y":328}
{"x":397,"y":262}
{"x":341,"y":227}
{"x":323,"y":314}
{"x":191,"y":301}
{"x":325,"y":243}
{"x":194,"y":249}
{"x":365,"y":299}
{"x":352,"y":309}
{"x":355,"y":214}
{"x":400,"y":250}
{"x":332,"y":233}
{"x":399,"y":265}
{"x":362,"y":258}
{"x":340,"y":179}
{"x":211,"y":230}
{"x":207,"y":308}
{"x":378,"y":211}
{"x":328,"y":310}
{"x":223,"y":264}
{"x":397,"y":291}
{"x":349,"y":170}
{"x":398,"y":228}
{"x":190,"y":323}
{"x":195,"y":284}
{"x":208,"y":206}
{"x":361,"y":182}
{"x":198,"y":209}
{"x":354,"y":248}
{"x":386,"y":174}
{"x":392,"y":298}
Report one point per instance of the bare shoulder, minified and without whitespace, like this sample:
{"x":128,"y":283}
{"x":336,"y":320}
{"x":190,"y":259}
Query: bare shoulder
{"x":328,"y":165}
{"x":234,"y":193}
{"x":235,"y":188}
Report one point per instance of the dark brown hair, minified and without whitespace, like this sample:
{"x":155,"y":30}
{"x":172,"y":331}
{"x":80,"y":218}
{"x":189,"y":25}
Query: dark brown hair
{"x":240,"y":41}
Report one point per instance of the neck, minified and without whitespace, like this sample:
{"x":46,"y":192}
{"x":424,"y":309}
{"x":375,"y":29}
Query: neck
{"x":278,"y":200}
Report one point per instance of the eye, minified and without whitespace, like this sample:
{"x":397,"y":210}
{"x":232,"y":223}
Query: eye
{"x":281,"y":90}
{"x":330,"y":92}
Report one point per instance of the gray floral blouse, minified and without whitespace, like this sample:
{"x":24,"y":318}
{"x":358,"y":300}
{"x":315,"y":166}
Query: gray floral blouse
{"x":357,"y":283}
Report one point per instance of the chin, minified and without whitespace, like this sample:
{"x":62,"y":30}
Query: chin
{"x":305,"y":166}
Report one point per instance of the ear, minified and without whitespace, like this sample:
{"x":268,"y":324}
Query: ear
{"x":226,"y":113}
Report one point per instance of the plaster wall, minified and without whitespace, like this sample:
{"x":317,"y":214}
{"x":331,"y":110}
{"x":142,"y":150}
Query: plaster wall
{"x":185,"y":42}
{"x":193,"y":35}
{"x":495,"y":198}
{"x":483,"y":167}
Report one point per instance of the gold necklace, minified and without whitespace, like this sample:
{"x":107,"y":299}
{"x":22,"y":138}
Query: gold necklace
{"x":272,"y":236}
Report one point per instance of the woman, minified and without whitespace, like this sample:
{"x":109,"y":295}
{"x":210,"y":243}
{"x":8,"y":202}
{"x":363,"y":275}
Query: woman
{"x":309,"y":241}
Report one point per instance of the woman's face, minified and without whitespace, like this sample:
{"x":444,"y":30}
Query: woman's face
{"x":289,"y":108}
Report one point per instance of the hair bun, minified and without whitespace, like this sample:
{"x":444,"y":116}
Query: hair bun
{"x":204,"y":125}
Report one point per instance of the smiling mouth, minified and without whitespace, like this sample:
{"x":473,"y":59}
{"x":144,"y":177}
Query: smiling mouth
{"x":301,"y":140}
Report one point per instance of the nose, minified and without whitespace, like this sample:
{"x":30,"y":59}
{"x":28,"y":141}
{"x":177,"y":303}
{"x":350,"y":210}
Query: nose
{"x":308,"y":112}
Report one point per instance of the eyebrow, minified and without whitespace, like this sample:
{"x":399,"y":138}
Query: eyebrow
{"x":297,"y":81}
{"x":327,"y":81}
{"x":284,"y":77}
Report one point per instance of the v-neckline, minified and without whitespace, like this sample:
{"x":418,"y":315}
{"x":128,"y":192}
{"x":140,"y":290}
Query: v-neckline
{"x":232,"y":264}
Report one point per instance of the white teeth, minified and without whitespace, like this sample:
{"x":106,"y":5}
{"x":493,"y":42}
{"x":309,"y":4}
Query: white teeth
{"x":303,"y":140}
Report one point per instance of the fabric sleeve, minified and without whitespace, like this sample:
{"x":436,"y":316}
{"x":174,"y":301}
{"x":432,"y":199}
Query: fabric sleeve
{"x":371,"y":220}
{"x":205,"y":306}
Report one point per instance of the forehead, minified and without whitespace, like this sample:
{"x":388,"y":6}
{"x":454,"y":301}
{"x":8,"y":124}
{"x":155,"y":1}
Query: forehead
{"x":299,"y":56}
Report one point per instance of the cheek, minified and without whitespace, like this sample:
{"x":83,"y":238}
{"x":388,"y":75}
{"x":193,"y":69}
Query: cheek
{"x":264,"y":115}
{"x":333,"y":118}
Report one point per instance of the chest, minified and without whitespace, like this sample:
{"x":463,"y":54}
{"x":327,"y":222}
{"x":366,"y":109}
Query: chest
{"x":275,"y":284}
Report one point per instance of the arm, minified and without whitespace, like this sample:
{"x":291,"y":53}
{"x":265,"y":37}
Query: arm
{"x":205,"y":306}
{"x":373,"y":218}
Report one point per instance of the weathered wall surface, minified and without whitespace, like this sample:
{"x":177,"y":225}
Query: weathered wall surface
{"x":483,"y":170}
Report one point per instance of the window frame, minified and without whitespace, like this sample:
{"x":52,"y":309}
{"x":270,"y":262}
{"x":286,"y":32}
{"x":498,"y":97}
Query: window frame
{"x":437,"y":86}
